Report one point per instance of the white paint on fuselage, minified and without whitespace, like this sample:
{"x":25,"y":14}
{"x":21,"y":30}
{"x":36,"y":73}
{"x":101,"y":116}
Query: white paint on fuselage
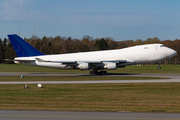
{"x":133,"y":55}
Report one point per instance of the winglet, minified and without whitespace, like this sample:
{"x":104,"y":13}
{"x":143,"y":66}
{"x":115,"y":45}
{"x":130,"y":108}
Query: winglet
{"x":22,"y":48}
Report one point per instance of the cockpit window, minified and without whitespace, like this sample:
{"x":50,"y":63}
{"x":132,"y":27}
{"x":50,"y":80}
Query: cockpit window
{"x":163,"y":46}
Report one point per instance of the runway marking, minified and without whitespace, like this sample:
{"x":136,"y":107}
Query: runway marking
{"x":88,"y":117}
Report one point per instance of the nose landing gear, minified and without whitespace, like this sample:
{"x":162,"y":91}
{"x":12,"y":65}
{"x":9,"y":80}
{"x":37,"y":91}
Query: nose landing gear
{"x":159,"y":67}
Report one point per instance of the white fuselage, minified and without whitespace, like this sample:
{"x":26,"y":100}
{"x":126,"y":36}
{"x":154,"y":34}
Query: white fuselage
{"x":132,"y":55}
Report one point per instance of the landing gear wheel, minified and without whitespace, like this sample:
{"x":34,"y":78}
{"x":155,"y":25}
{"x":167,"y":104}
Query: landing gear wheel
{"x":91,"y":72}
{"x":97,"y":72}
{"x":104,"y":72}
{"x":159,"y":67}
{"x":100,"y":73}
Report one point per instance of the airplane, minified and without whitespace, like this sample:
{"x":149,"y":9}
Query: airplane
{"x":95,"y":61}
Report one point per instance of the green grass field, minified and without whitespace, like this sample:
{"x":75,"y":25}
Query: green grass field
{"x":151,"y":97}
{"x":134,"y":97}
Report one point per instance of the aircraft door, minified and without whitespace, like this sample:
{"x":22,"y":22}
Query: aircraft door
{"x":156,"y":47}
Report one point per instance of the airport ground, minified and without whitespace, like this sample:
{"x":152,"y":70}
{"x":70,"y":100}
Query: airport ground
{"x":115,"y":97}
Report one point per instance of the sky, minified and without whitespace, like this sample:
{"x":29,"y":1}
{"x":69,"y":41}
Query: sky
{"x":117,"y":19}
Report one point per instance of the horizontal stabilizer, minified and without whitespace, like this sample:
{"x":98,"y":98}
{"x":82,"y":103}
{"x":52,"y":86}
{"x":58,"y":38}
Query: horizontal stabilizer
{"x":9,"y":59}
{"x":19,"y":60}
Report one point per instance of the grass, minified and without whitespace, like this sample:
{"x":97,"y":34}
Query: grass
{"x":127,"y":69}
{"x":136,"y":97}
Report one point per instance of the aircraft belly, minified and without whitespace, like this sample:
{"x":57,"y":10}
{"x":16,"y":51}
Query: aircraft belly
{"x":143,"y":59}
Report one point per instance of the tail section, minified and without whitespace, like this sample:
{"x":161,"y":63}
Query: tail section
{"x":22,"y":48}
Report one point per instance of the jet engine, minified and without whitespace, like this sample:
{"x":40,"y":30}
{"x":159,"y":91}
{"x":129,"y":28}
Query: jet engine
{"x":110,"y":66}
{"x":83,"y":66}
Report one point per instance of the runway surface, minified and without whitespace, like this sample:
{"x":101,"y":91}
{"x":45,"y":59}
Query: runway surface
{"x":169,"y":75}
{"x":64,"y":115}
{"x":171,"y":78}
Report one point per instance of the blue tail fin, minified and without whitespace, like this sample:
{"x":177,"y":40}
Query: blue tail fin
{"x":22,"y":48}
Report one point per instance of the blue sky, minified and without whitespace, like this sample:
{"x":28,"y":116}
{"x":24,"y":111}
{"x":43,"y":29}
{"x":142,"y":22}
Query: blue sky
{"x":118,"y":19}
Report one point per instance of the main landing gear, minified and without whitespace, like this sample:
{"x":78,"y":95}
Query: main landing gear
{"x":159,"y":67}
{"x":97,"y":72}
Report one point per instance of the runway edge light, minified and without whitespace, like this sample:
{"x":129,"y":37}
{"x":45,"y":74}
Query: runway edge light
{"x":40,"y":85}
{"x":22,"y":76}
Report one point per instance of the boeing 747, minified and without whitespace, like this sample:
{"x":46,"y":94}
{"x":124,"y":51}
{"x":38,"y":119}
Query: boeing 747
{"x":96,"y":61}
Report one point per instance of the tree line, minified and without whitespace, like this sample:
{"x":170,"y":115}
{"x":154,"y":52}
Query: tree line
{"x":61,"y":45}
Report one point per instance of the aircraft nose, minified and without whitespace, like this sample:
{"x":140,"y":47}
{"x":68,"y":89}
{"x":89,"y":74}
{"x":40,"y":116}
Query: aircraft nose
{"x":170,"y":53}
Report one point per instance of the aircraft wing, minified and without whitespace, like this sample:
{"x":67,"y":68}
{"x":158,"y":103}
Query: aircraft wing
{"x":90,"y":62}
{"x":70,"y":62}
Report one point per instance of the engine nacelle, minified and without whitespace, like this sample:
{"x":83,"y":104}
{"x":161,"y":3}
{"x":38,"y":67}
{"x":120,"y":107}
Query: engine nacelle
{"x":83,"y":66}
{"x":110,"y":66}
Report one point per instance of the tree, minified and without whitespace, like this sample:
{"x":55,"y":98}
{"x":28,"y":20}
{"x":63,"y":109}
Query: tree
{"x":85,"y":44}
{"x":138,"y":42}
{"x":10,"y":53}
{"x":101,"y":45}
{"x":1,"y":51}
{"x":152,"y":40}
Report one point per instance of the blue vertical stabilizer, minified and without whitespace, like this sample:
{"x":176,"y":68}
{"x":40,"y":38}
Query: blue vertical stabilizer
{"x":22,"y":48}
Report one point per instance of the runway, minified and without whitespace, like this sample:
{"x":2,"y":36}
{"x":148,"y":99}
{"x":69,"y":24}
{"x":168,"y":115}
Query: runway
{"x":162,"y":75}
{"x":170,"y":78}
{"x":65,"y":115}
